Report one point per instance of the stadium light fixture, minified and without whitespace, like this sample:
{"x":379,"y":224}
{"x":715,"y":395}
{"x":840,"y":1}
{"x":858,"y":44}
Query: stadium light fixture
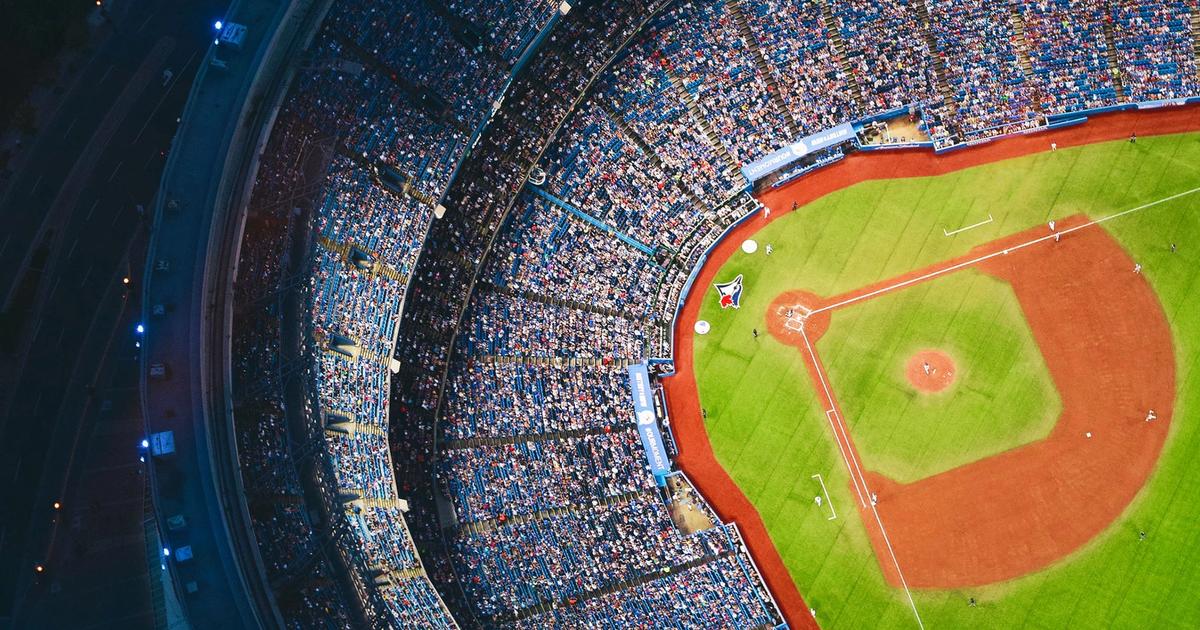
{"x":218,"y":24}
{"x":140,"y":329}
{"x":166,"y":552}
{"x":39,"y":568}
{"x":145,"y":443}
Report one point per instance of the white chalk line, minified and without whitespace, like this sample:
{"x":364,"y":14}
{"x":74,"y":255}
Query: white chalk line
{"x":969,"y":227}
{"x":828,"y":500}
{"x":856,"y":478}
{"x":975,"y":261}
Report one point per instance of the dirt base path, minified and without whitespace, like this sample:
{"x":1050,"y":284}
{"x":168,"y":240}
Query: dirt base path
{"x":696,"y":456}
{"x":1107,"y":345}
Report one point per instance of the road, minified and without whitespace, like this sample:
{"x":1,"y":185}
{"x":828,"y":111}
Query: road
{"x":72,"y":231}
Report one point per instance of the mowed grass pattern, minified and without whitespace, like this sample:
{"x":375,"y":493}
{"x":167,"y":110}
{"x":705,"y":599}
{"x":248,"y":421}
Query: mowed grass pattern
{"x":768,"y":428}
{"x":1002,"y":396}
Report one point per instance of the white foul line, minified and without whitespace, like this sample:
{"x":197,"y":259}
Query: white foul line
{"x":969,"y":227}
{"x":827,"y":499}
{"x":975,"y":261}
{"x":856,"y":478}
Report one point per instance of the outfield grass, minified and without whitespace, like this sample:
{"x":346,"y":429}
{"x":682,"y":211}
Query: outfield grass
{"x":767,"y":426}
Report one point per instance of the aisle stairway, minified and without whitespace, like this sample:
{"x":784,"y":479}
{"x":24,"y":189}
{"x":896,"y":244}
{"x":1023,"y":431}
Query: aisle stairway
{"x":764,"y":69}
{"x":935,"y":57}
{"x":689,"y":100}
{"x":837,"y":43}
{"x":1022,"y":49}
{"x":1195,"y":7}
{"x":1110,"y":40}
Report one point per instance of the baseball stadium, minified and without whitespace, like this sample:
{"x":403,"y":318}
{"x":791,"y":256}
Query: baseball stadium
{"x":687,"y":314}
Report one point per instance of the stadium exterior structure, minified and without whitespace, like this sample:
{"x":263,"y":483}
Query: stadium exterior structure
{"x":209,"y":557}
{"x":199,"y":481}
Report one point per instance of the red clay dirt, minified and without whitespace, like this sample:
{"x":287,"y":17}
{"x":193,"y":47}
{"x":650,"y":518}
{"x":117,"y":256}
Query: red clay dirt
{"x":696,"y":456}
{"x":1107,"y":344}
{"x":789,"y":314}
{"x":930,"y":371}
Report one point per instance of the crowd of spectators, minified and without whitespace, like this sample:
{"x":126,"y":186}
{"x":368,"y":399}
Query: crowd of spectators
{"x":1069,"y":54}
{"x":640,"y":90}
{"x":490,"y":481}
{"x":498,"y":400}
{"x":887,"y":51}
{"x":599,"y":544}
{"x":606,"y":174}
{"x":551,"y":254}
{"x":976,"y":42}
{"x":704,"y":48}
{"x":792,"y":36}
{"x":503,"y":330}
{"x":720,"y":593}
{"x":509,"y":26}
{"x":562,"y":331}
{"x":288,"y":543}
{"x":1155,"y":48}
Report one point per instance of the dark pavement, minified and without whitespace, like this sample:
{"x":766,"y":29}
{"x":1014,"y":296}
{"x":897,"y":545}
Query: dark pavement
{"x":69,"y":409}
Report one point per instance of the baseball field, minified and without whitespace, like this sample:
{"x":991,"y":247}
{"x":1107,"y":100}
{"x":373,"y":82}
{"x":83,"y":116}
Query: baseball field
{"x":946,"y":411}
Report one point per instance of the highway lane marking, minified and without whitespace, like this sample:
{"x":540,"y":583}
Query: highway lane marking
{"x":106,"y":73}
{"x":114,"y":173}
{"x":174,"y":81}
{"x":70,"y":126}
{"x":5,"y":245}
{"x":91,"y":210}
{"x":71,"y":252}
{"x":36,"y":183}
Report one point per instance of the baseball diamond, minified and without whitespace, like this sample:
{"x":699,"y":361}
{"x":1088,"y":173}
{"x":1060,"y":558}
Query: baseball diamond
{"x":995,"y":412}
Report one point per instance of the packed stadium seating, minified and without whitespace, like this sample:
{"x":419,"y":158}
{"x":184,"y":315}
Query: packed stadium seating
{"x":465,"y":385}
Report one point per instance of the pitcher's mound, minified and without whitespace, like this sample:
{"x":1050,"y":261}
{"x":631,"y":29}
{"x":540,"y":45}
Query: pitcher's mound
{"x":930,"y":371}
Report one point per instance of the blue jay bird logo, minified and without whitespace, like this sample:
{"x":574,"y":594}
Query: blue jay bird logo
{"x":730,"y":292}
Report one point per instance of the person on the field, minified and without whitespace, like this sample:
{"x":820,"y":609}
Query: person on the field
{"x":1052,"y":225}
{"x":1151,"y":416}
{"x":1137,"y":268}
{"x":1172,"y":248}
{"x":818,"y":500}
{"x":1133,"y":137}
{"x":1142,"y":535}
{"x":927,"y":368}
{"x":769,"y":249}
{"x":754,"y":332}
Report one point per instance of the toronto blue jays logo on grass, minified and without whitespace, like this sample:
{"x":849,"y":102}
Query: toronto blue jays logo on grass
{"x":731,"y":292}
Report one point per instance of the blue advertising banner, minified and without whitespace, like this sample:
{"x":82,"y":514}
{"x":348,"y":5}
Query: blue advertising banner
{"x":647,"y":422}
{"x":758,"y":169}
